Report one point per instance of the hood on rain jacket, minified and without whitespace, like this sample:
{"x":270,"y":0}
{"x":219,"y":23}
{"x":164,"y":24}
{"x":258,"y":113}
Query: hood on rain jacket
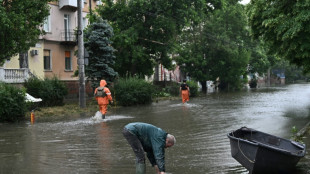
{"x":106,"y":99}
{"x":153,"y":140}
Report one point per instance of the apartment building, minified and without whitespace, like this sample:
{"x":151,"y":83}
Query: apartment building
{"x":60,"y":40}
{"x":54,"y":54}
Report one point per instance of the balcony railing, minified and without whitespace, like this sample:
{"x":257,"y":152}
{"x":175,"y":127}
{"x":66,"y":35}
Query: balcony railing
{"x":68,"y":37}
{"x":14,"y":75}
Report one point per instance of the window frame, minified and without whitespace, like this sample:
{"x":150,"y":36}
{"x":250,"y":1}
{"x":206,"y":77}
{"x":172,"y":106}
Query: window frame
{"x":67,"y":27}
{"x":47,"y":24}
{"x":49,"y":61}
{"x":68,"y":60}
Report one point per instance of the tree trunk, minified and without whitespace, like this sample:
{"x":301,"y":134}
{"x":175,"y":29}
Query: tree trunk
{"x":203,"y":86}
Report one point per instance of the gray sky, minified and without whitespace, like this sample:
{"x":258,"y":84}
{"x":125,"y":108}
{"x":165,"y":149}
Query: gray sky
{"x":245,"y":1}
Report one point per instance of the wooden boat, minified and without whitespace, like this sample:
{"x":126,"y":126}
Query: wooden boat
{"x":260,"y":152}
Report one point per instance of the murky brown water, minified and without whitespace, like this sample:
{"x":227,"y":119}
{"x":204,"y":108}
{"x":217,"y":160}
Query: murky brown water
{"x":87,"y":145}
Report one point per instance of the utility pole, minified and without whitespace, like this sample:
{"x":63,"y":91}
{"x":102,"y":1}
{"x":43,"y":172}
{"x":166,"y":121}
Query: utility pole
{"x":90,"y":10}
{"x":81,"y":57}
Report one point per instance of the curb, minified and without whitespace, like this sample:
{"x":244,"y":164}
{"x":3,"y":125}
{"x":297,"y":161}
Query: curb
{"x":303,"y":131}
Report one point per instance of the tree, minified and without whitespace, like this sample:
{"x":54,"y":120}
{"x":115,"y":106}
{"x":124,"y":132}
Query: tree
{"x":146,"y":30}
{"x":284,"y":27}
{"x":20,"y":25}
{"x":217,"y":48}
{"x":260,"y":61}
{"x":101,"y":53}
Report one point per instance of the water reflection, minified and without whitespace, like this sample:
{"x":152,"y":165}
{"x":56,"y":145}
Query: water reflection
{"x":92,"y":145}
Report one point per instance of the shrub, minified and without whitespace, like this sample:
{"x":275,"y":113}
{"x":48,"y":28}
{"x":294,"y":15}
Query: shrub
{"x":173,"y":89}
{"x":193,"y":86}
{"x":51,"y":91}
{"x":12,"y":103}
{"x":133,"y":91}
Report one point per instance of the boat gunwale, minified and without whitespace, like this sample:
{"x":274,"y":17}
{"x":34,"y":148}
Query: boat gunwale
{"x":302,"y":154}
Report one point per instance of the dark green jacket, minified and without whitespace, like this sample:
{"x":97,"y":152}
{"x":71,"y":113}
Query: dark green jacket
{"x":153,"y":140}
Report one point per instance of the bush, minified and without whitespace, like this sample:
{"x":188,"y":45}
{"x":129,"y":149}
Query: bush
{"x":193,"y":86}
{"x":173,"y":89}
{"x":51,"y":91}
{"x":12,"y":103}
{"x":133,"y":91}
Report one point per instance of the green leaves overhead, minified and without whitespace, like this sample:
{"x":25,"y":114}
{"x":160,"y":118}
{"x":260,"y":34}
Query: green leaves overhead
{"x":146,"y":30}
{"x":20,"y":25}
{"x":217,"y":47}
{"x":284,"y":26}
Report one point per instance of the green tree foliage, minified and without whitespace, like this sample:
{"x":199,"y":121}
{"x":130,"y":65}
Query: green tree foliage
{"x":20,"y":25}
{"x":284,"y":26}
{"x":101,"y":53}
{"x":12,"y":103}
{"x":260,"y":60}
{"x":146,"y":30}
{"x":217,"y":47}
{"x":193,"y":87}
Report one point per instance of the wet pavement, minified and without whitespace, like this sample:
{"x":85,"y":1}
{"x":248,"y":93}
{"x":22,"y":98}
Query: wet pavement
{"x":92,"y":145}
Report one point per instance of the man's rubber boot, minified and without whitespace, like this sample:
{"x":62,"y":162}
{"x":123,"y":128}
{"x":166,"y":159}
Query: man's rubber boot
{"x":103,"y":116}
{"x":140,"y":168}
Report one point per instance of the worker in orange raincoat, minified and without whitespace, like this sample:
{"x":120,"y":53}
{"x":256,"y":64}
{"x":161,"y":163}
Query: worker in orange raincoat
{"x":103,"y":100}
{"x":184,"y":90}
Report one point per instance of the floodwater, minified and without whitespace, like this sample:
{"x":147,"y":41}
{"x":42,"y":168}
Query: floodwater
{"x":88,"y":144}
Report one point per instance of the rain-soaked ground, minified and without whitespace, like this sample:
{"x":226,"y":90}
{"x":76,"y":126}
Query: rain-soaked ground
{"x":90,"y":145}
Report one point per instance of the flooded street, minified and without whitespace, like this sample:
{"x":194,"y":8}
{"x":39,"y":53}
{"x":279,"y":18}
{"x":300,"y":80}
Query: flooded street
{"x":90,"y":145}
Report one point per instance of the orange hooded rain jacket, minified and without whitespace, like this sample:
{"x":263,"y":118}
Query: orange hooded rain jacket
{"x":104,"y":101}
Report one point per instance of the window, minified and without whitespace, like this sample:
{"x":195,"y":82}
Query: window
{"x":68,"y":65}
{"x":66,"y":27}
{"x":47,"y":60}
{"x":47,"y":24}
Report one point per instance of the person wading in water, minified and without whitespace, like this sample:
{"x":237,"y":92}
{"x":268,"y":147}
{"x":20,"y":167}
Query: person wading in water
{"x":144,"y":137}
{"x":184,"y":91}
{"x":103,"y":96}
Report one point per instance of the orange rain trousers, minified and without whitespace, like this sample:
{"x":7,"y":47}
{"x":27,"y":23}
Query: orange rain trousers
{"x":185,"y":96}
{"x":103,"y":108}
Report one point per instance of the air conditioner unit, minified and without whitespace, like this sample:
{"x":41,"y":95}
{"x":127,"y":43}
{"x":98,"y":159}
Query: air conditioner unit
{"x":99,"y":2}
{"x":34,"y":52}
{"x":85,"y":1}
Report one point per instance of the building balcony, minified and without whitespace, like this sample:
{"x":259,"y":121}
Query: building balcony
{"x":68,"y":38}
{"x":68,"y":5}
{"x":14,"y":75}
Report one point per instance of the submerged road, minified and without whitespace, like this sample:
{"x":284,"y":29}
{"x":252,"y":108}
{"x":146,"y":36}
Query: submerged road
{"x":92,"y":145}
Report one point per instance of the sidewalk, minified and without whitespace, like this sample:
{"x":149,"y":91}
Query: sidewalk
{"x":304,"y":163}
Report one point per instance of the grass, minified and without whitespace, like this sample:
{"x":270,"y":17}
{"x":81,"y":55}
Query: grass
{"x":72,"y":109}
{"x":69,"y":109}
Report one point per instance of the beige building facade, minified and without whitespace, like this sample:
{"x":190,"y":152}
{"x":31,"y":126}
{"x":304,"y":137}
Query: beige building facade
{"x":54,"y":54}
